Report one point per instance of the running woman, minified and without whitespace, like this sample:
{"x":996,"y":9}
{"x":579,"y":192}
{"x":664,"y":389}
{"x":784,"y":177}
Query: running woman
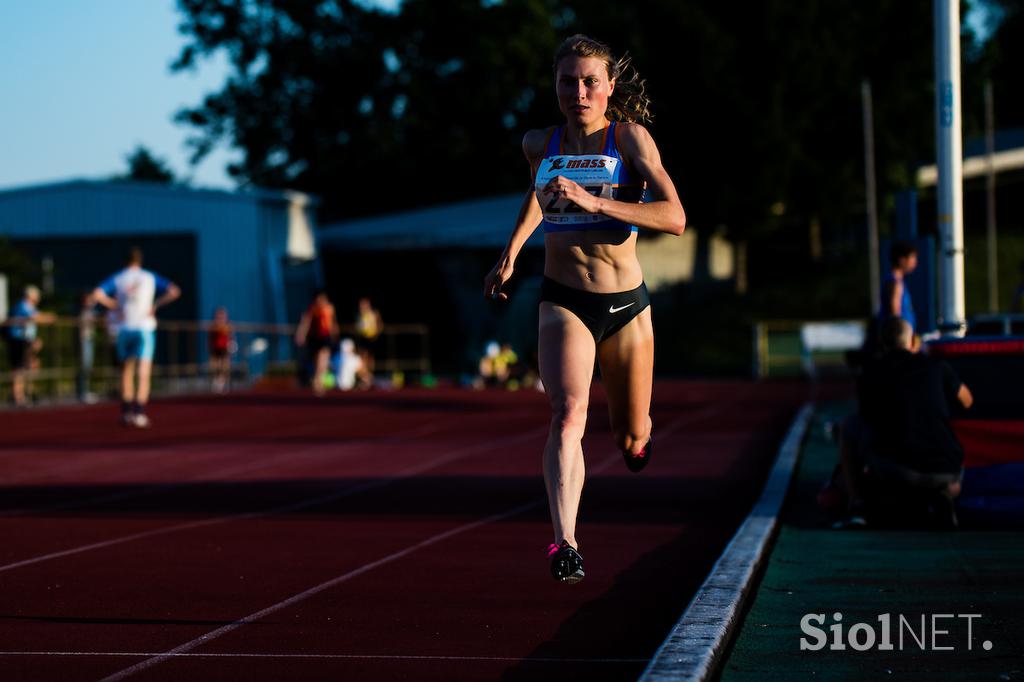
{"x":590,"y":175}
{"x":135,"y":294}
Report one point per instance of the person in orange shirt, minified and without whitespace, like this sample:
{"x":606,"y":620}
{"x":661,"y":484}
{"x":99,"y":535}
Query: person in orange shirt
{"x":221,"y":346}
{"x":318,"y":332}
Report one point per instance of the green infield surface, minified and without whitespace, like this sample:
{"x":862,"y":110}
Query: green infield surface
{"x":955,"y":600}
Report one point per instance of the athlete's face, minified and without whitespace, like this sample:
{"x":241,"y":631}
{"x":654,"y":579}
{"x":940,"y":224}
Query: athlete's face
{"x":583,"y":88}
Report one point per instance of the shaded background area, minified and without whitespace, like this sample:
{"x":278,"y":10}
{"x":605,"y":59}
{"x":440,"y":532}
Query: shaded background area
{"x":379,"y":107}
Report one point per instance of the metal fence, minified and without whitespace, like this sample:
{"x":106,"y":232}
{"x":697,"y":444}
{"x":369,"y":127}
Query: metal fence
{"x":807,"y":348}
{"x":76,"y":358}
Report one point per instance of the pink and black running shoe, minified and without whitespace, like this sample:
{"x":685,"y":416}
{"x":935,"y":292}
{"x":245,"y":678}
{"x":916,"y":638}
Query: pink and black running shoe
{"x":636,"y":463}
{"x":566,"y":563}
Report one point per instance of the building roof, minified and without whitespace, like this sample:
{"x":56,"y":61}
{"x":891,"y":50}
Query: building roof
{"x":477,"y":223}
{"x":130,"y":186}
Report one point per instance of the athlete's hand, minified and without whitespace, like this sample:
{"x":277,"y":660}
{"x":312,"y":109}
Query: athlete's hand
{"x":564,"y":187}
{"x":501,"y":273}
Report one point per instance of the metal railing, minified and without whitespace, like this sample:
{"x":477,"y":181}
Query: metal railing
{"x":76,"y":358}
{"x":781,"y":348}
{"x":996,"y":324}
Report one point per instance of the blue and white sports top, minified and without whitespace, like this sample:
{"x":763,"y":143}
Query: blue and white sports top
{"x":603,"y":175}
{"x":135,"y":290}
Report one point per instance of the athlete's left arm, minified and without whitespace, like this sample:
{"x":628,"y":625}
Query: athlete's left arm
{"x":171,"y":293}
{"x":663,"y":213}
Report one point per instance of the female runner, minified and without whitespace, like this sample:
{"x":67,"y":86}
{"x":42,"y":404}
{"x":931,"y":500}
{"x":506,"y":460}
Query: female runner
{"x":590,"y":175}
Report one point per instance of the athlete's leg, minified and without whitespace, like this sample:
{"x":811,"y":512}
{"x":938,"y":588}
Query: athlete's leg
{"x":128,"y":380}
{"x":145,"y":372}
{"x":566,"y":357}
{"x":18,"y":387}
{"x":626,"y":359}
{"x":146,"y":348}
{"x":323,"y":359}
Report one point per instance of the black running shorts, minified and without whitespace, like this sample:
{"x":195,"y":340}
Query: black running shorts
{"x":603,"y":314}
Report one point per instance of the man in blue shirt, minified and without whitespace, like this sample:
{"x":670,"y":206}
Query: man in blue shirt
{"x":23,"y":342}
{"x":896,"y":301}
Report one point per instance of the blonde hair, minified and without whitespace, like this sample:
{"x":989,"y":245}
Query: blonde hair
{"x":628,"y":102}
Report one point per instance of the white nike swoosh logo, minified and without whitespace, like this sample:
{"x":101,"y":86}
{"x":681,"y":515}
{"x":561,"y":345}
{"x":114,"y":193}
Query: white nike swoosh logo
{"x":613,"y":309}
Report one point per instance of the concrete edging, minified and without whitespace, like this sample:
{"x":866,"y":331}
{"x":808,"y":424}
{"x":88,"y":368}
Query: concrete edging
{"x":696,"y":643}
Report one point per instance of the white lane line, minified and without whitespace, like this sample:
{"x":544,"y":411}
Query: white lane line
{"x":371,"y":657}
{"x":302,"y":596}
{"x":333,"y":449}
{"x":294,"y":506}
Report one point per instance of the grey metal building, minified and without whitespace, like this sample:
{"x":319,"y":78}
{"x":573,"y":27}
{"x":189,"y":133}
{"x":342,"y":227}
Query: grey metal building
{"x":253,"y":252}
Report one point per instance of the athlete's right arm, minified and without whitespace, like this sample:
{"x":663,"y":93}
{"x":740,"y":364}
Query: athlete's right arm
{"x":526,"y":222}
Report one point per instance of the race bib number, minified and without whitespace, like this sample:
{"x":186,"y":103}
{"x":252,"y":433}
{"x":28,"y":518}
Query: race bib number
{"x":594,"y":172}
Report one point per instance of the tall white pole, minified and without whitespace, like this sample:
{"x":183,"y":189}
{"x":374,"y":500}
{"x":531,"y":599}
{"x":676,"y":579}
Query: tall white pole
{"x":990,"y":201}
{"x":870,"y":195}
{"x":952,"y":317}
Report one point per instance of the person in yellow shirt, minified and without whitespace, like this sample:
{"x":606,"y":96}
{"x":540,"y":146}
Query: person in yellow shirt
{"x":369,"y":326}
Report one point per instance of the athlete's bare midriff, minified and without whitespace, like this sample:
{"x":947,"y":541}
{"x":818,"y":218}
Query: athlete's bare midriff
{"x":593,"y":260}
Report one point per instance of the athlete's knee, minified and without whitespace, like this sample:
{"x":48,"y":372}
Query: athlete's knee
{"x":569,"y":418}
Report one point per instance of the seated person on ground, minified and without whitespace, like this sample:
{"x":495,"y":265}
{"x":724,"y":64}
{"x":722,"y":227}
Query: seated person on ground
{"x":901,"y":436}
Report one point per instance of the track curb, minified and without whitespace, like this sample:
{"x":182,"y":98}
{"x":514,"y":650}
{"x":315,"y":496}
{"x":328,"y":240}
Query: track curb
{"x":694,"y":647}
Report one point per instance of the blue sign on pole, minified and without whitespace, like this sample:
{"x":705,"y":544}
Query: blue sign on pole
{"x":947,"y":104}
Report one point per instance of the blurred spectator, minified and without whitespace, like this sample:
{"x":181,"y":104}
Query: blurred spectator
{"x":23,"y":342}
{"x":135,"y":294}
{"x":896,"y":301}
{"x":349,"y":366}
{"x":221,"y":346}
{"x":369,"y":326}
{"x":86,"y":348}
{"x":318,"y":333}
{"x":498,"y":366}
{"x":900,"y":443}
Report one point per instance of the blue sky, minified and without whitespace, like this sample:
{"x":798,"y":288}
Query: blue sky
{"x":82,"y":82}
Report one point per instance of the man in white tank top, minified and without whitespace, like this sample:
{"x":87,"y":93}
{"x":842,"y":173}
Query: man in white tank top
{"x":135,"y":294}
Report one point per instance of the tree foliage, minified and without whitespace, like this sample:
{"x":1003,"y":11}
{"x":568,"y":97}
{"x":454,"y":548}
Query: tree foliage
{"x":143,"y":166}
{"x":1001,"y":60}
{"x":757,"y":107}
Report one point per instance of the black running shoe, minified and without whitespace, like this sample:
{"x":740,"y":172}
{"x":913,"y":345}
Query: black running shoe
{"x":636,"y":463}
{"x":566,"y":563}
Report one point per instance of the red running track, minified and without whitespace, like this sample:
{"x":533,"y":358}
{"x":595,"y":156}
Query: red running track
{"x":374,"y":536}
